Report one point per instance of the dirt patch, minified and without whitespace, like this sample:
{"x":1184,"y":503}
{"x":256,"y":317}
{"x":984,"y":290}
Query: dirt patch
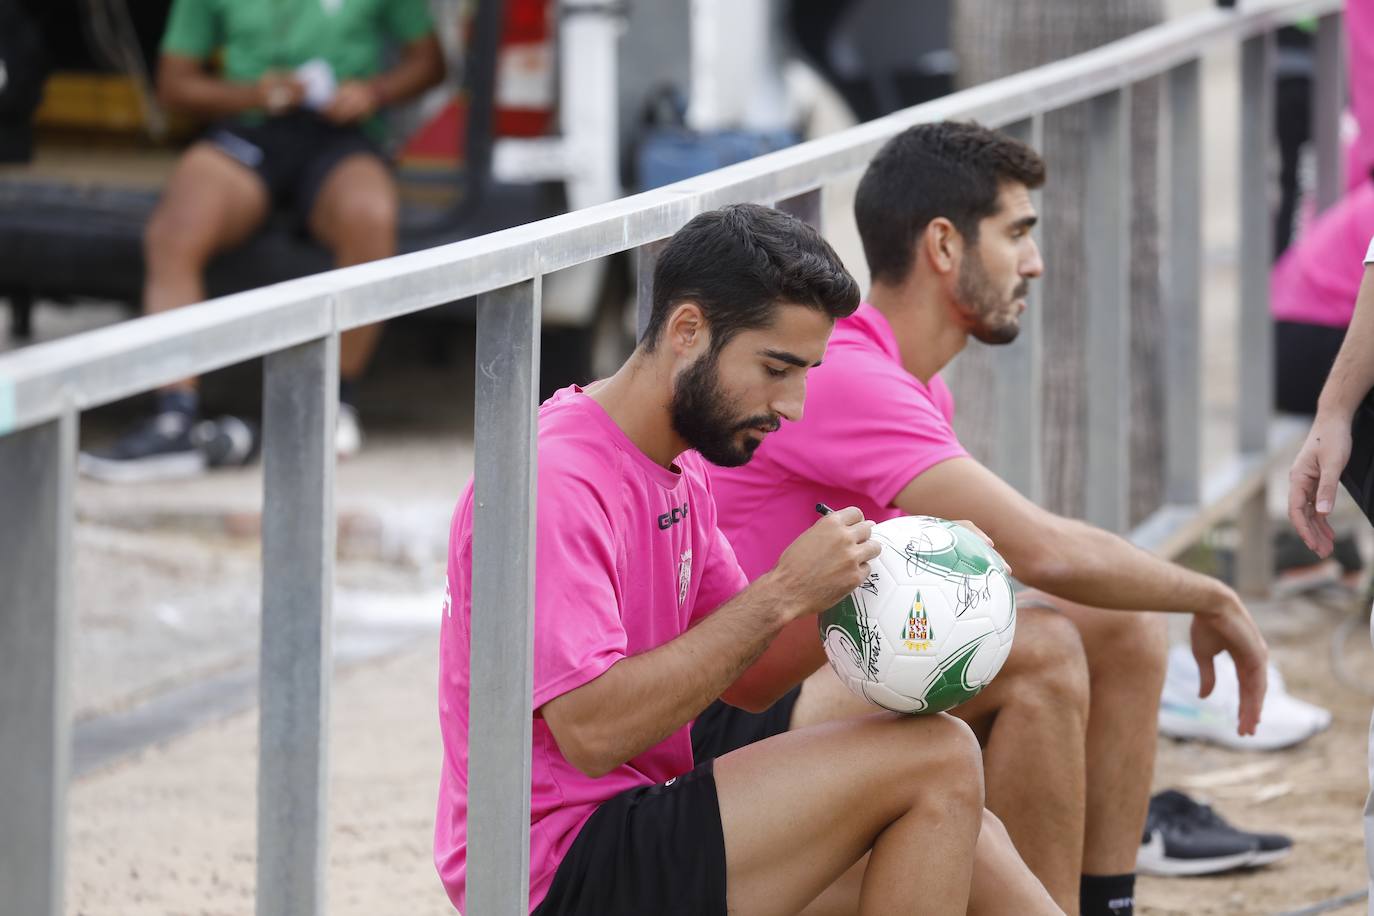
{"x":1314,"y":793}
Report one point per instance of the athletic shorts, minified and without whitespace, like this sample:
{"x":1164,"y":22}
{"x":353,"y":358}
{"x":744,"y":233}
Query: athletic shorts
{"x":1303,"y":356}
{"x":660,"y":849}
{"x":293,"y":154}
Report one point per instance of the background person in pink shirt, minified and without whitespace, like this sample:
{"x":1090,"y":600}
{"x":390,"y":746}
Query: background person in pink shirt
{"x":1314,"y":285}
{"x":945,"y":215}
{"x":643,"y":617}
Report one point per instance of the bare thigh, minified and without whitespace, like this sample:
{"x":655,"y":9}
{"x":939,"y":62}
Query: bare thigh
{"x":800,"y":809}
{"x":210,"y":203}
{"x":355,"y":211}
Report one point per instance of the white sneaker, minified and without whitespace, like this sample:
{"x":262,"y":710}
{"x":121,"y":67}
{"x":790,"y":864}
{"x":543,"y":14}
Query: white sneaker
{"x":348,"y":432}
{"x":1284,"y":720}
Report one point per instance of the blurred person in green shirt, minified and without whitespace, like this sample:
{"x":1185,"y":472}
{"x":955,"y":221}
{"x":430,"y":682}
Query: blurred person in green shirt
{"x":292,"y":89}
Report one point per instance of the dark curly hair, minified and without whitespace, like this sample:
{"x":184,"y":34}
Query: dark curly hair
{"x":946,"y":168}
{"x":739,"y":263}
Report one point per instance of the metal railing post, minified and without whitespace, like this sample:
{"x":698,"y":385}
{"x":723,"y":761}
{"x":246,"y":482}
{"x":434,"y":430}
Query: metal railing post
{"x":1106,"y":236}
{"x":1328,"y":82}
{"x":1016,"y":456}
{"x":646,"y":256}
{"x":300,"y":403}
{"x":503,"y":553}
{"x":37,"y":476}
{"x":1183,"y":290}
{"x":1254,"y":569}
{"x":805,"y":206}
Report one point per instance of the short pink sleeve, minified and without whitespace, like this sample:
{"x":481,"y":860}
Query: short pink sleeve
{"x":721,"y":578}
{"x":578,"y":632}
{"x":869,"y":427}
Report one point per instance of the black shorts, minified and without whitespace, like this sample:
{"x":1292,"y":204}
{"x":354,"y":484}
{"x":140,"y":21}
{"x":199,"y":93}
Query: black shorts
{"x":659,"y":849}
{"x":1303,"y":355}
{"x":293,"y":154}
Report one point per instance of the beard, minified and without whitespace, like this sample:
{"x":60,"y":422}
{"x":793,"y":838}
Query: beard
{"x":704,"y":416}
{"x":993,"y":320}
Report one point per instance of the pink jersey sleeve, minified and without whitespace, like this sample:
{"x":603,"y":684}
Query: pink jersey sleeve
{"x":897,"y":433}
{"x":578,"y":632}
{"x":721,"y":577}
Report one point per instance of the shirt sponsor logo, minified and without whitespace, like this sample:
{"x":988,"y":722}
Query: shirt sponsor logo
{"x":669,"y":519}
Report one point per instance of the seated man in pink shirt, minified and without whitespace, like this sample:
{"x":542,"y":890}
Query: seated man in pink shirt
{"x":643,"y":617}
{"x":945,"y":215}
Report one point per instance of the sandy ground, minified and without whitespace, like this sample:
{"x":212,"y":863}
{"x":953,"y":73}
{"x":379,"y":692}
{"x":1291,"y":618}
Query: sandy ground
{"x":172,"y":831}
{"x":1313,"y":793}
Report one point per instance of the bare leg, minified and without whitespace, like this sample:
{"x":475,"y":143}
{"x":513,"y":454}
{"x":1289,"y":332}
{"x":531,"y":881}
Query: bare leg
{"x":798,"y":810}
{"x":1031,"y":720}
{"x":355,"y":215}
{"x":1001,"y":881}
{"x":1127,"y":656}
{"x":210,"y":203}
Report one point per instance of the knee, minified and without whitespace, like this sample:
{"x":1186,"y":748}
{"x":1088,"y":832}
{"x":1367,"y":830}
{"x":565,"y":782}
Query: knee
{"x":368,"y":218}
{"x":1134,"y":646}
{"x":1052,"y":665}
{"x":946,"y":758}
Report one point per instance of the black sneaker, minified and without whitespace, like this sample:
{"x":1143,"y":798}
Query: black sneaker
{"x":1183,"y":837}
{"x":159,"y":448}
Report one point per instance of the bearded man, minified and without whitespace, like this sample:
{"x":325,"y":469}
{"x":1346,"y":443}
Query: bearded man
{"x":945,"y":214}
{"x":643,"y":617}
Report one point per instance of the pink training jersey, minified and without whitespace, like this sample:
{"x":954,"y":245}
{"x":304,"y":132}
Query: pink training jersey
{"x":627,"y":557}
{"x":1316,"y":279}
{"x":868,"y":429}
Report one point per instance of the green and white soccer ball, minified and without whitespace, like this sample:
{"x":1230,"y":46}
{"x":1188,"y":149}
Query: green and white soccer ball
{"x":932,"y":625}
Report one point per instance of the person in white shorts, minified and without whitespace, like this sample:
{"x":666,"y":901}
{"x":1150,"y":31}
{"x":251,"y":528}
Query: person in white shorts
{"x":1317,"y":469}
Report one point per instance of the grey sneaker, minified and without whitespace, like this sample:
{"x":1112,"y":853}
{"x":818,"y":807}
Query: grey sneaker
{"x":159,"y":448}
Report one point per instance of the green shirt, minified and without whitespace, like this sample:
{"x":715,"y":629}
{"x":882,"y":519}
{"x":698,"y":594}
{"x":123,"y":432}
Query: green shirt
{"x":257,"y":36}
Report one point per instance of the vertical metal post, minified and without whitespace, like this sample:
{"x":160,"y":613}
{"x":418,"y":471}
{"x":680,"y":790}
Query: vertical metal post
{"x":37,"y":474}
{"x":300,"y":403}
{"x":1017,"y":451}
{"x":1328,"y":97}
{"x":1183,"y":290}
{"x":1255,"y":566}
{"x":501,"y":714}
{"x":1106,"y":235}
{"x":805,"y":206}
{"x":646,"y":257}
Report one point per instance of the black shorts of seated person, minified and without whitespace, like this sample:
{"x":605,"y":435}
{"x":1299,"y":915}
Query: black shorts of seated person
{"x":293,"y":154}
{"x":660,"y":849}
{"x":652,"y":849}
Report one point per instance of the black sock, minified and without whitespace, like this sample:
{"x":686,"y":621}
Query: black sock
{"x":1106,"y":895}
{"x":179,"y":400}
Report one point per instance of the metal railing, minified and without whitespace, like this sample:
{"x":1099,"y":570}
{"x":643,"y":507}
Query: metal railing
{"x":296,"y":326}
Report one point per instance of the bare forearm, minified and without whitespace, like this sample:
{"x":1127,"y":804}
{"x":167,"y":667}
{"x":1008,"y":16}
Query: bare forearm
{"x":1352,"y":375}
{"x":420,"y":67}
{"x":204,"y":96}
{"x":641,"y":700}
{"x":1091,"y":566}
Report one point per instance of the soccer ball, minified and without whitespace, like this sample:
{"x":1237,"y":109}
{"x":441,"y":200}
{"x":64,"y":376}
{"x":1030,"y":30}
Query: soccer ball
{"x":932,"y":624}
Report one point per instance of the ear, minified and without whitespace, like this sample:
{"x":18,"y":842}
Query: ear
{"x":686,"y":329}
{"x":942,"y":245}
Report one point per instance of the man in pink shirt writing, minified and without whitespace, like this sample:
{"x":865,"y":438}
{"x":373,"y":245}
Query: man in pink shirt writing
{"x":945,"y":215}
{"x":643,"y":617}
